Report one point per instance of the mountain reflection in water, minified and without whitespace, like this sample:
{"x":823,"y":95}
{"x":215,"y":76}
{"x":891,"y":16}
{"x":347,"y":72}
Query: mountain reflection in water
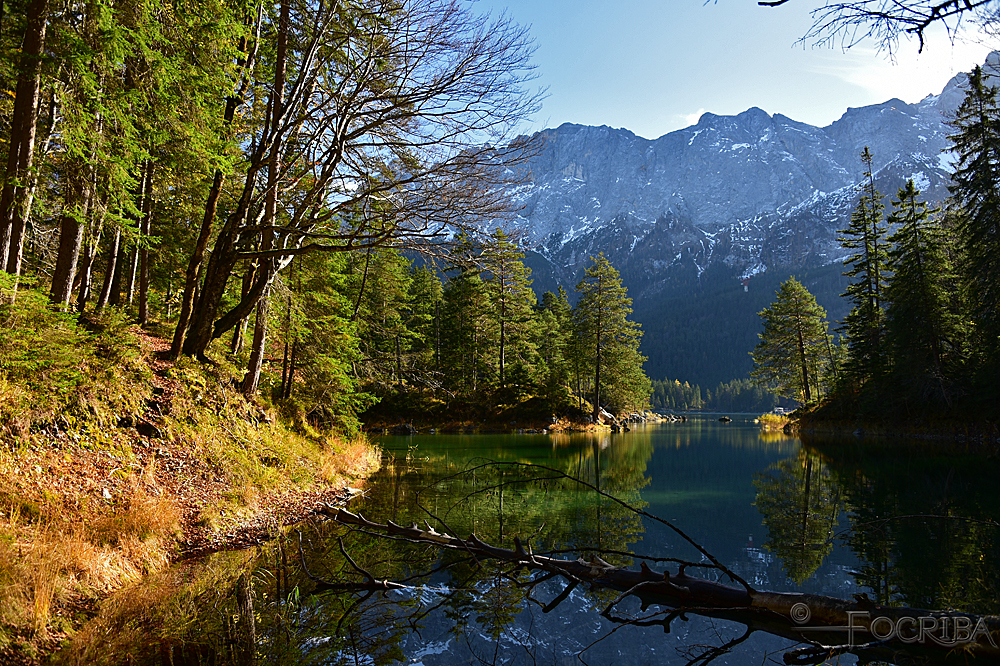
{"x":905,"y":527}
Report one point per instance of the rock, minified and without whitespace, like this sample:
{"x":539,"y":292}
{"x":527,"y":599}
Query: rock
{"x":405,"y":429}
{"x":725,"y":419}
{"x":147,"y":429}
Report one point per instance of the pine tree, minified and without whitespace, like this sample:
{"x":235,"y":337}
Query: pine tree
{"x":977,"y":189}
{"x":793,"y":347}
{"x":464,"y":334}
{"x":422,"y":323}
{"x":864,"y":325}
{"x":609,"y":342}
{"x":921,"y":326}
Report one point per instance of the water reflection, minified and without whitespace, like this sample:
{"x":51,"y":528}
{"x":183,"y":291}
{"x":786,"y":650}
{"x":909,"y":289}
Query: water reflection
{"x":800,"y":501}
{"x":905,"y":527}
{"x":923,"y":522}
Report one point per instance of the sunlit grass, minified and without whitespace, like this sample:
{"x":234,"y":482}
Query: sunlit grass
{"x":771,"y":422}
{"x":344,"y":462}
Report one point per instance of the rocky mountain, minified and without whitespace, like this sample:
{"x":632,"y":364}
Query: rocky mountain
{"x":705,"y":222}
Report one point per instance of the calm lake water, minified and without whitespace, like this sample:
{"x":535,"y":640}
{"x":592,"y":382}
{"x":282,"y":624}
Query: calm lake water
{"x":905,"y":523}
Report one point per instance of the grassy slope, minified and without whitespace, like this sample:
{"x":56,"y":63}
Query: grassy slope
{"x":114,"y":463}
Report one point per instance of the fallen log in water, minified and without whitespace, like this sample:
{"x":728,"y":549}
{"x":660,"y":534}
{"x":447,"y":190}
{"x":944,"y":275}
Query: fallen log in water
{"x":830,"y":626}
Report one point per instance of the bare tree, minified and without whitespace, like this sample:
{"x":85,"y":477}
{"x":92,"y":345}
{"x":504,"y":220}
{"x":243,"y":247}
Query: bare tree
{"x":394,"y":129}
{"x":885,"y":21}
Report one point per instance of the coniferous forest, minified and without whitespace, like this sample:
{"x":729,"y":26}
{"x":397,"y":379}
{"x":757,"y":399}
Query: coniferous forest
{"x":922,"y":338}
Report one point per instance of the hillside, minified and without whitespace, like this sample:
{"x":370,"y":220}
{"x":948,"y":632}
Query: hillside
{"x":117,"y":463}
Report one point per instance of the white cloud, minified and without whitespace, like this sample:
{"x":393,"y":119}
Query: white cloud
{"x":912,"y":76}
{"x":691,"y":118}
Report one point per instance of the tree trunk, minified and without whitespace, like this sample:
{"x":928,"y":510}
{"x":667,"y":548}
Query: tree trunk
{"x":71,"y":229}
{"x":252,"y":377}
{"x":109,"y":274}
{"x":144,"y":231}
{"x":131,"y":274}
{"x":115,"y":292}
{"x":851,"y":627}
{"x":194,"y":269}
{"x":86,"y":270}
{"x":15,"y":197}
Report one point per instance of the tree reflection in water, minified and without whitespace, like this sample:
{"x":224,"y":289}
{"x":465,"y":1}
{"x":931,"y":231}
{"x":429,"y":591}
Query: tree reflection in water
{"x":799,"y":501}
{"x":319,"y":594}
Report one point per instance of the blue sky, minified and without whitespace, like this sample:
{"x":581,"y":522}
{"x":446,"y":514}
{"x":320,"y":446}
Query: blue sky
{"x":653,"y":66}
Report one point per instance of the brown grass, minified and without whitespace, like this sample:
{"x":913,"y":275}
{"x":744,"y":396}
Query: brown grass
{"x":47,"y":561}
{"x":344,"y":462}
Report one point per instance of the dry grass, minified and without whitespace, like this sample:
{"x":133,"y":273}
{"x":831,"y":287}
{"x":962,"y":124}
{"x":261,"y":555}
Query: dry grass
{"x":47,"y":561}
{"x":771,"y":422}
{"x":164,"y":608}
{"x":343,"y":462}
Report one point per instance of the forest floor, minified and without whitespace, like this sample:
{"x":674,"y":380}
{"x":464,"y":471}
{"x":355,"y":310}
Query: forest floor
{"x":124,"y":470}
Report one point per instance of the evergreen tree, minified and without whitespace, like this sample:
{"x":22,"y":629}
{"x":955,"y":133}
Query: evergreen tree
{"x":609,"y":342}
{"x":977,"y":189}
{"x":381,"y":299}
{"x":423,"y":325}
{"x":865,"y":235}
{"x":511,"y":301}
{"x":464,"y":334}
{"x":554,"y":339}
{"x":794,"y":345}
{"x":921,"y":327}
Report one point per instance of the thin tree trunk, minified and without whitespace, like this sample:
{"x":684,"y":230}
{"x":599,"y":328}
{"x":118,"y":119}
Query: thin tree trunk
{"x":110,"y":272}
{"x":291,"y":368}
{"x":87,"y":267}
{"x":71,"y":228}
{"x":15,"y":196}
{"x":131,"y":274}
{"x":115,"y":295}
{"x":252,"y":377}
{"x":144,"y":231}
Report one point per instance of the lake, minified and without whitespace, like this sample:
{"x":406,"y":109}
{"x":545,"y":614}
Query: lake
{"x":904,"y":523}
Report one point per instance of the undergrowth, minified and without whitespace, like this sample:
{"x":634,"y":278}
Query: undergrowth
{"x":90,"y":504}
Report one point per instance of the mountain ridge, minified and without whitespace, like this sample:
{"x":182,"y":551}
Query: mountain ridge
{"x":752,"y":196}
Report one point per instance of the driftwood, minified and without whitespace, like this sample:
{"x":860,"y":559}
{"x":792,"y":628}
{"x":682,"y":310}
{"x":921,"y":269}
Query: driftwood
{"x":827,"y":625}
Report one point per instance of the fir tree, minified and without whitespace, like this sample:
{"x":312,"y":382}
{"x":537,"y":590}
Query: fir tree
{"x":609,"y":342}
{"x":511,"y":306}
{"x":977,"y":189}
{"x":554,"y":339}
{"x":793,"y":347}
{"x":921,"y":327}
{"x":867,"y":267}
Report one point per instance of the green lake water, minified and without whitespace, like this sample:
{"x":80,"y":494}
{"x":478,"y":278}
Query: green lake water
{"x":904,"y":523}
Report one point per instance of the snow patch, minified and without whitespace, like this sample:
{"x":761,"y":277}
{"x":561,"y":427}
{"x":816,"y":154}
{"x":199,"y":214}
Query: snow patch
{"x":739,"y":146}
{"x":947,"y":161}
{"x":921,"y":180}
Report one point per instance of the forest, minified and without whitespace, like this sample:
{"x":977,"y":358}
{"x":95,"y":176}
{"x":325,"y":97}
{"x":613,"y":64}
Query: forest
{"x":314,"y":193}
{"x":922,"y":338}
